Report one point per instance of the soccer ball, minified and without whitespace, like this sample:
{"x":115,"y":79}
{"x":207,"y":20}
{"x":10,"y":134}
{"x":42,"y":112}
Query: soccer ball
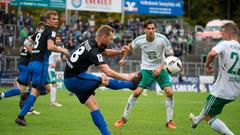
{"x":173,"y":64}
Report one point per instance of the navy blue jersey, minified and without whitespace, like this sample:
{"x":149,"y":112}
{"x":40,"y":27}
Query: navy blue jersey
{"x":87,"y":54}
{"x":40,"y":52}
{"x":25,"y":56}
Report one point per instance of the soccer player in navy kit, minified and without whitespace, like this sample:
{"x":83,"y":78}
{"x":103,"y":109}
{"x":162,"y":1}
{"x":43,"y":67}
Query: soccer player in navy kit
{"x":83,"y":84}
{"x":38,"y":67}
{"x":23,"y":79}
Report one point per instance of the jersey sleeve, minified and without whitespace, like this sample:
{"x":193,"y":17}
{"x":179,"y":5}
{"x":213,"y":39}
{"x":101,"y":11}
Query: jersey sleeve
{"x":135,"y":43}
{"x":51,"y":35}
{"x":96,"y":57}
{"x":219,"y":47}
{"x":167,"y":45}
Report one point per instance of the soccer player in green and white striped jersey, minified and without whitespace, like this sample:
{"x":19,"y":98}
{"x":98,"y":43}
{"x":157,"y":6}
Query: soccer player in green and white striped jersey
{"x":154,"y":47}
{"x":52,"y":76}
{"x":227,"y":86}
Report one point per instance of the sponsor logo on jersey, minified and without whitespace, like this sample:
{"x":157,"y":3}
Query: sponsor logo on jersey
{"x":53,"y":34}
{"x":100,"y":57}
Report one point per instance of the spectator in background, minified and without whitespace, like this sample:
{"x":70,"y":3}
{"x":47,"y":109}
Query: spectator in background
{"x":189,"y":42}
{"x":2,"y":49}
{"x":91,"y":21}
{"x":13,"y":18}
{"x":28,"y":20}
{"x":20,"y":20}
{"x":1,"y":34}
{"x":6,"y":18}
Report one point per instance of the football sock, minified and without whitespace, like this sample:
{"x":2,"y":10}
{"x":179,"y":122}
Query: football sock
{"x":131,"y":102}
{"x":12,"y":92}
{"x":53,"y":94}
{"x":23,"y":98}
{"x":200,"y":117}
{"x":169,"y":108}
{"x":119,"y":84}
{"x":27,"y":105}
{"x":219,"y":126}
{"x":99,"y":122}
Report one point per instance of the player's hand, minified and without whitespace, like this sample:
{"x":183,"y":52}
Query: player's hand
{"x":122,"y":62}
{"x":157,"y":71}
{"x":209,"y":69}
{"x":125,"y":49}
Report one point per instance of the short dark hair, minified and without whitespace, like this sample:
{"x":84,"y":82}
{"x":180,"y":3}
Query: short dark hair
{"x":59,"y":35}
{"x":49,"y":13}
{"x":149,"y":21}
{"x":231,"y":27}
{"x":104,"y":30}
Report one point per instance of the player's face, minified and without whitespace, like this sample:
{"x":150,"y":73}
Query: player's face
{"x":53,"y":21}
{"x":150,"y":30}
{"x":107,"y":40}
{"x":224,"y":34}
{"x":58,"y":40}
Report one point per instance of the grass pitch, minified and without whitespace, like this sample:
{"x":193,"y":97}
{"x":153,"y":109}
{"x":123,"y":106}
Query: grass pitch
{"x":148,"y":117}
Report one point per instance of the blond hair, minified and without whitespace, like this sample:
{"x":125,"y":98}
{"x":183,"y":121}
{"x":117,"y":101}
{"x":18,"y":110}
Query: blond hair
{"x":104,"y":30}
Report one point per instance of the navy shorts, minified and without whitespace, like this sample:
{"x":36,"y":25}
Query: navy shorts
{"x":39,"y":74}
{"x":23,"y":77}
{"x":82,"y":85}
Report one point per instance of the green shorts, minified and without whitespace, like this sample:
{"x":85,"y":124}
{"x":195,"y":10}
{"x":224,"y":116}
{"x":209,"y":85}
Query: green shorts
{"x":52,"y":77}
{"x":214,"y":105}
{"x":163,"y":79}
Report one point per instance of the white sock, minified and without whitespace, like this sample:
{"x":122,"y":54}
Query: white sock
{"x":219,"y":126}
{"x":53,"y":94}
{"x":2,"y":95}
{"x":200,"y":117}
{"x":131,"y":102}
{"x":169,"y":108}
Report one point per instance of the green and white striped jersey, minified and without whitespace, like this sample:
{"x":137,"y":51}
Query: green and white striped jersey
{"x":153,"y":53}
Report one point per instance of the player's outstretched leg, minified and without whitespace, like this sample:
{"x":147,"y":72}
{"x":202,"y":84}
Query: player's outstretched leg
{"x":120,"y":84}
{"x":10,"y":93}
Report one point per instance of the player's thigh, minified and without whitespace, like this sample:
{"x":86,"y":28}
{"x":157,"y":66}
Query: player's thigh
{"x":164,"y":79}
{"x":82,"y":83}
{"x":23,"y":77}
{"x":147,"y":79}
{"x":39,"y":73}
{"x":214,"y":105}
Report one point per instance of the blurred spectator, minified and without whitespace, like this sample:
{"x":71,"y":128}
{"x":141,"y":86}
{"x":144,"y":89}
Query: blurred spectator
{"x":13,"y":17}
{"x":1,"y":34}
{"x":189,"y":42}
{"x":28,"y":20}
{"x":6,"y":18}
{"x":91,"y":21}
{"x":2,"y":51}
{"x":20,"y":20}
{"x":203,"y":55}
{"x":86,"y":34}
{"x":110,"y":22}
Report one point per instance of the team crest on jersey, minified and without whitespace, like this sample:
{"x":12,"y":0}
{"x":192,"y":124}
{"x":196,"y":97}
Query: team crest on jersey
{"x":53,"y":34}
{"x":100,"y":57}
